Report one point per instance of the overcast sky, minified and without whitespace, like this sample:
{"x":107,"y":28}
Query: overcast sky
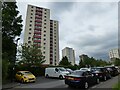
{"x":88,"y":27}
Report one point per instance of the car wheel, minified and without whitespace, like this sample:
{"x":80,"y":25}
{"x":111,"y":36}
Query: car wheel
{"x":22,"y":81}
{"x":86,"y":85}
{"x":47,"y":76}
{"x":105,"y":78}
{"x":110,"y":76}
{"x":98,"y":81}
{"x":60,"y":77}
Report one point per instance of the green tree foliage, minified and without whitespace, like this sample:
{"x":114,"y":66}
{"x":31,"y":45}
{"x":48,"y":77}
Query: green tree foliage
{"x":11,"y":27}
{"x":31,"y":56}
{"x":5,"y":66}
{"x":117,"y":62}
{"x":65,"y":62}
{"x":92,"y":62}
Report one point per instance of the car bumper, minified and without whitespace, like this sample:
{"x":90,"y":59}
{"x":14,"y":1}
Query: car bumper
{"x":74,"y":83}
{"x":30,"y":80}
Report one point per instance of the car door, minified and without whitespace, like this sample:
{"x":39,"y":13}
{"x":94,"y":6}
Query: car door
{"x":91,"y":78}
{"x":56,"y":74}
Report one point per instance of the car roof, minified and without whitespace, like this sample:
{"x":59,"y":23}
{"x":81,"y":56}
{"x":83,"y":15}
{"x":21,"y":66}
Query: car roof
{"x":98,"y":67}
{"x":23,"y":71}
{"x":81,"y":70}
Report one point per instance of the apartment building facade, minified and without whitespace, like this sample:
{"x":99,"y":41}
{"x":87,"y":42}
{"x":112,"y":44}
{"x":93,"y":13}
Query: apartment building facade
{"x":69,"y":52}
{"x":114,"y":53}
{"x":43,"y":32}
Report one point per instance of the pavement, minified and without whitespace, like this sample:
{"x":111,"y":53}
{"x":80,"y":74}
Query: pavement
{"x":10,"y":85}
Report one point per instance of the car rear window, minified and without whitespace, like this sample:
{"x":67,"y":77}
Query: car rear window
{"x":77,"y":73}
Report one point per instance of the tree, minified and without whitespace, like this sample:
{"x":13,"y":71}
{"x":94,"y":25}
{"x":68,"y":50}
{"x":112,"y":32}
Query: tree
{"x":11,"y":27}
{"x":65,"y":61}
{"x":31,"y":56}
{"x":117,"y":62}
{"x":87,"y":61}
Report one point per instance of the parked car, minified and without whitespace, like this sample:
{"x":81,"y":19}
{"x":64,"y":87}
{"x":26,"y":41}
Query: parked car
{"x":85,"y":69}
{"x":58,"y":72}
{"x":82,"y":79}
{"x":69,"y":70}
{"x":25,"y":76}
{"x":118,"y":69}
{"x":101,"y":72}
{"x":113,"y":70}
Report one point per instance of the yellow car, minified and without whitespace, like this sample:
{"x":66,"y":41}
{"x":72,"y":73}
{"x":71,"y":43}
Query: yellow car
{"x":25,"y":76}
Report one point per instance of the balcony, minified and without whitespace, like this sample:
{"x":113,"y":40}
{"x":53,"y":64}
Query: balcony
{"x":38,"y":29}
{"x":38,"y":20}
{"x":38,"y":13}
{"x":37,"y":44}
{"x":51,"y":25}
{"x":38,"y":9}
{"x":38,"y":17}
{"x":37,"y":36}
{"x":38,"y":25}
{"x":51,"y":31}
{"x":37,"y":32}
{"x":36,"y":41}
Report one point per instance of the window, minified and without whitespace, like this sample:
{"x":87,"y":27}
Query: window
{"x":44,"y":16}
{"x":44,"y":35}
{"x":31,"y":17}
{"x":44,"y":13}
{"x":31,"y":10}
{"x":44,"y":23}
{"x":30,"y":29}
{"x":29,"y":38}
{"x":44,"y":27}
{"x":44,"y":52}
{"x":43,"y":47}
{"x":29,"y":41}
{"x":44,"y":19}
{"x":44,"y":39}
{"x":30,"y":25}
{"x":31,"y":13}
{"x":30,"y":21}
{"x":29,"y":32}
{"x":44,"y":43}
{"x":45,"y":9}
{"x":44,"y":31}
{"x":31,"y":6}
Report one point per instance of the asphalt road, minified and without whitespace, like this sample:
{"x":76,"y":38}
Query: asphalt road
{"x":53,"y":83}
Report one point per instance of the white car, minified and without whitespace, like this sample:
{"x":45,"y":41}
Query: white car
{"x":59,"y":72}
{"x":85,"y":69}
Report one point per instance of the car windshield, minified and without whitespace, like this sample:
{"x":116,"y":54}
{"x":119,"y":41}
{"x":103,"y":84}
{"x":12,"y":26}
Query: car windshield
{"x":27,"y":73}
{"x":77,"y":73}
{"x":96,"y":69}
{"x":62,"y":69}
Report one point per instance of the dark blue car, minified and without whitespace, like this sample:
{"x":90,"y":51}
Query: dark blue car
{"x":81,"y":79}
